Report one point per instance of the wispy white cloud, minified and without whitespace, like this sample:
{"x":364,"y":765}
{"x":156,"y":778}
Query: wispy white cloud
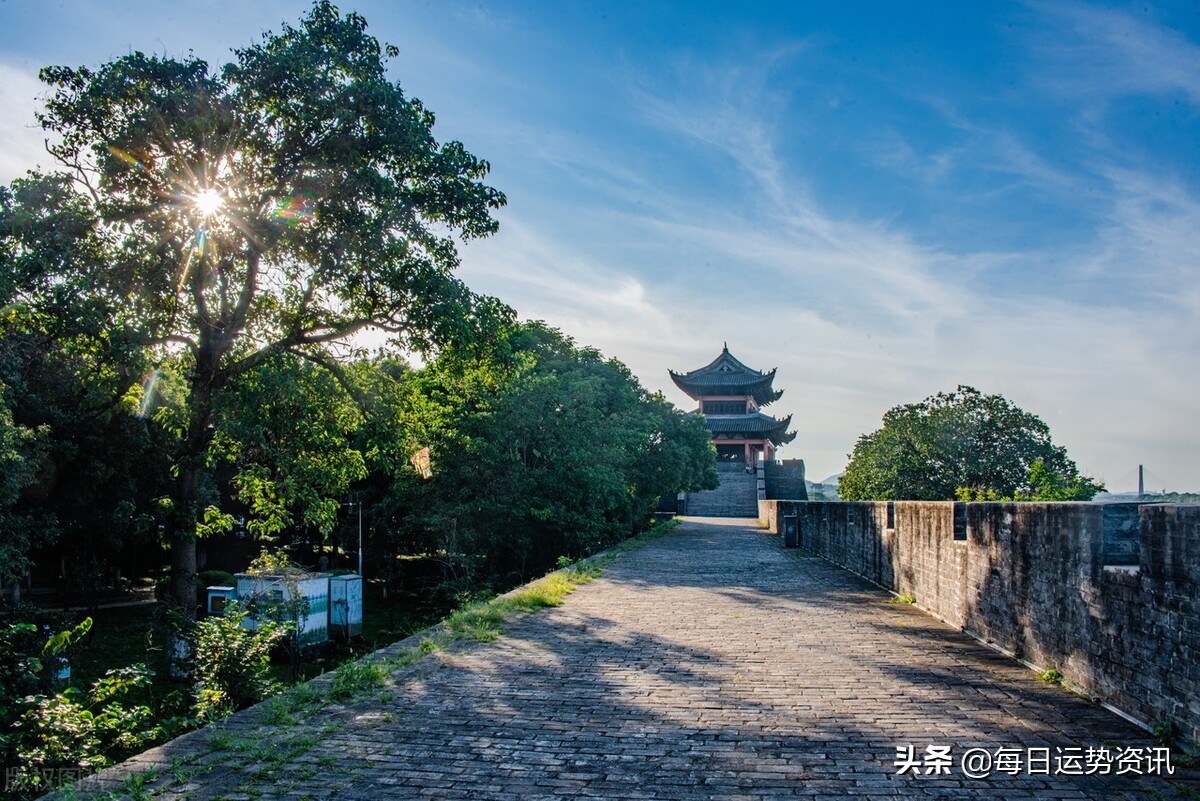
{"x":860,"y":314}
{"x":1102,"y":52}
{"x":730,"y":108}
{"x":23,"y":140}
{"x":1155,"y":233}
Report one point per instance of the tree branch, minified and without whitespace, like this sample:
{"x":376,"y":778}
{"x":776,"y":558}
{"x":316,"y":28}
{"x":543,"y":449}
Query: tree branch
{"x":298,"y":339}
{"x":237,"y":320}
{"x":339,"y":374}
{"x":167,"y":339}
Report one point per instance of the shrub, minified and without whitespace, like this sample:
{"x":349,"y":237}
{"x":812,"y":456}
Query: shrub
{"x":88,"y":731}
{"x":43,"y":729}
{"x":214,"y":578}
{"x":232,"y":663}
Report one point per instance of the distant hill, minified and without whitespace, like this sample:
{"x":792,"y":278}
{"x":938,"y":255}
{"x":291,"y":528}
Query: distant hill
{"x":823,"y":490}
{"x":1163,"y":497}
{"x":1149,"y":497}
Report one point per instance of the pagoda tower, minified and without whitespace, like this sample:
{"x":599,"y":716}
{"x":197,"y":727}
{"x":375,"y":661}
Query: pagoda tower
{"x":730,"y":395}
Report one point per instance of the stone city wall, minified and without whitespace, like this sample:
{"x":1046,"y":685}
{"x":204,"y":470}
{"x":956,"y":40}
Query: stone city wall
{"x":785,"y":480}
{"x":1107,"y":594}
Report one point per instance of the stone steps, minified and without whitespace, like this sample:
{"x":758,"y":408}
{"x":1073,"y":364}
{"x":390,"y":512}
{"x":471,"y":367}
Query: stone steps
{"x":736,"y":497}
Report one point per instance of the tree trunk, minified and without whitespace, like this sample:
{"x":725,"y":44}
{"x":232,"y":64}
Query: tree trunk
{"x":183,"y":605}
{"x":187,"y":515}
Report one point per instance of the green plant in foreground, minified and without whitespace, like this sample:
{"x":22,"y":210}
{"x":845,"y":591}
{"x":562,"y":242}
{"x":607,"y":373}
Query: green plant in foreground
{"x":219,"y":739}
{"x":276,"y":713}
{"x":232,"y":663}
{"x":902,"y":598}
{"x":1051,"y":676}
{"x":90,"y":730}
{"x":482,"y":621}
{"x":351,"y":677}
{"x":1165,"y":732}
{"x":135,"y":784}
{"x":281,"y":710}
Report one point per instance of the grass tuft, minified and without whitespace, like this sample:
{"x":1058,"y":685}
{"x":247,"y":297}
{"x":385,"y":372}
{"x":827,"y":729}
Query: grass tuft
{"x":478,"y":621}
{"x":282,"y":709}
{"x":353,"y":677}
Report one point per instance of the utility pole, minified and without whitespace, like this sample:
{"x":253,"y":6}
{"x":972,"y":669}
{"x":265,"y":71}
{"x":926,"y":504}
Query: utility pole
{"x":1141,"y":480}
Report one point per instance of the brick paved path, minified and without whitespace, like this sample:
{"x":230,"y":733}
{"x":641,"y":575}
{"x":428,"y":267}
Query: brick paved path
{"x":709,"y":664}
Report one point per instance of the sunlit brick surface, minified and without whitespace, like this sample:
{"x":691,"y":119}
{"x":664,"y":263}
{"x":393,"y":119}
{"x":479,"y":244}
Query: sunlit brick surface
{"x":709,"y":664}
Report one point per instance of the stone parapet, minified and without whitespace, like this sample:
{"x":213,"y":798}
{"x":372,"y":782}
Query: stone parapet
{"x":1109,"y":597}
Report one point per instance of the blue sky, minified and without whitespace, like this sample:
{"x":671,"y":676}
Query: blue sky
{"x":883,"y":200}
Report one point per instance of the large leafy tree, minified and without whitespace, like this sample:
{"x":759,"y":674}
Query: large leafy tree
{"x":72,"y":370}
{"x":279,"y":205}
{"x":18,"y":533}
{"x":286,"y":428}
{"x":962,"y":444}
{"x":541,"y":450}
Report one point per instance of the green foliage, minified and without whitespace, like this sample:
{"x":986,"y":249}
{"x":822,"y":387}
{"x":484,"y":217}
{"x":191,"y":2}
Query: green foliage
{"x":75,"y":407}
{"x":540,"y":449}
{"x":29,"y":662}
{"x":272,"y":563}
{"x":1042,"y":485}
{"x":87,"y":731}
{"x":1051,"y":676}
{"x":19,"y":451}
{"x":20,"y":677}
{"x":1047,"y":485}
{"x":287,"y":429}
{"x":964,"y":445}
{"x":215,"y":578}
{"x":353,"y":677}
{"x":1166,"y":732}
{"x":338,"y":211}
{"x":232,"y":663}
{"x":41,"y":729}
{"x":65,"y":639}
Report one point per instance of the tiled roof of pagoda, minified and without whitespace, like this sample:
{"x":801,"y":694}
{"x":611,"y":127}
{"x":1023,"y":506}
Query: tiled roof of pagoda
{"x":751,"y":426}
{"x":725,"y":375}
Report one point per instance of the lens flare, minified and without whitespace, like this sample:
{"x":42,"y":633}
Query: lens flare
{"x":147,"y":393}
{"x":209,"y":202}
{"x":297,"y":209}
{"x":126,"y":157}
